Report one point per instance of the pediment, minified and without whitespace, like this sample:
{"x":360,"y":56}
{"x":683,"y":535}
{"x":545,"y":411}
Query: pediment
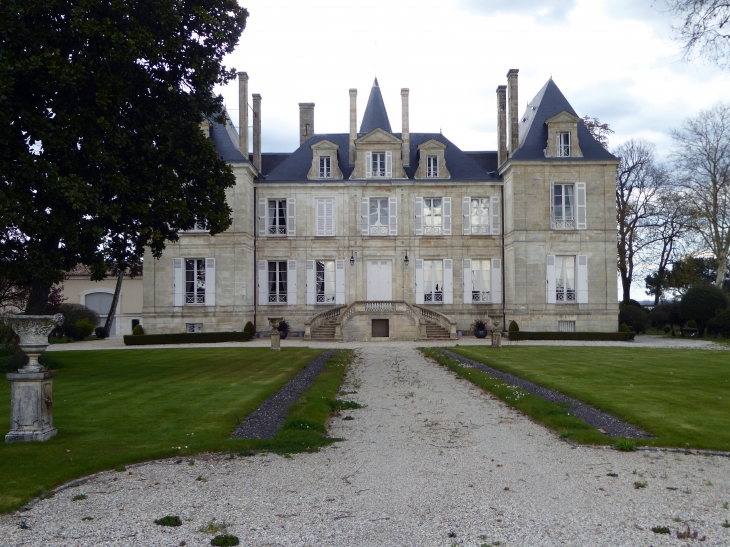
{"x":432,"y":144}
{"x":379,"y":136}
{"x":324,"y":145}
{"x":563,"y":117}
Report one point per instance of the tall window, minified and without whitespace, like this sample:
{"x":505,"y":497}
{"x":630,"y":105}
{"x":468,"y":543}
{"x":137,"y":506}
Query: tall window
{"x":433,"y":281}
{"x":432,"y":167}
{"x":195,"y":281}
{"x":325,"y":216}
{"x":563,"y":143}
{"x":325,"y":167}
{"x":325,"y":281}
{"x":563,"y":213}
{"x":277,"y":282}
{"x":565,"y":279}
{"x":479,"y":216}
{"x":378,"y":164}
{"x":378,"y":216}
{"x":432,"y":220}
{"x":481,"y":280}
{"x":277,"y":217}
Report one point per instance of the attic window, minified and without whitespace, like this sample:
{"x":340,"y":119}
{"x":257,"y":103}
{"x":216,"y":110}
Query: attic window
{"x":563,"y":143}
{"x":378,"y":164}
{"x":325,"y":167}
{"x":432,"y":169}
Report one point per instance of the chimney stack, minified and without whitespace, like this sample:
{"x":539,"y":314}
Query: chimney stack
{"x":514,"y":128}
{"x":243,"y":113}
{"x":353,"y":124}
{"x":306,"y":121}
{"x":405,"y":131}
{"x":501,"y":124}
{"x":257,"y":131}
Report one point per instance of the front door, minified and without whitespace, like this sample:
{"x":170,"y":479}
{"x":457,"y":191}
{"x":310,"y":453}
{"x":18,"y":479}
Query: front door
{"x":380,"y":280}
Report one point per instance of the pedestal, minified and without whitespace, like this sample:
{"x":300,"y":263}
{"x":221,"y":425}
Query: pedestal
{"x":496,"y":339}
{"x":31,"y":406}
{"x":275,"y":340}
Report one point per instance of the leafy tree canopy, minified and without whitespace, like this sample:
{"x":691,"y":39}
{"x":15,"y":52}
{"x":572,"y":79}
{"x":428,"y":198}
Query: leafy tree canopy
{"x":702,"y":303}
{"x":101,"y":151}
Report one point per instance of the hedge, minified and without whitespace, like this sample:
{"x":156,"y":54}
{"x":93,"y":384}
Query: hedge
{"x":186,"y":338}
{"x":595,"y":336}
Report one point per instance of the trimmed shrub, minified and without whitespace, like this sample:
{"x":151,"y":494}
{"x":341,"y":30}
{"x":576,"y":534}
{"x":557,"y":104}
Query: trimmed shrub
{"x":691,"y":324}
{"x":250,"y":329}
{"x":100,"y":333}
{"x":702,"y":303}
{"x":629,"y":314}
{"x":624,"y":328}
{"x":84,"y":328}
{"x":720,"y":324}
{"x":186,"y":338}
{"x":639,"y":327}
{"x":75,"y":312}
{"x":595,"y":336}
{"x":137,"y":330}
{"x":667,"y":329}
{"x":513,"y":326}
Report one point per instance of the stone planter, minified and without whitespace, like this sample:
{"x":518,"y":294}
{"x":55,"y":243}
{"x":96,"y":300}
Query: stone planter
{"x":31,"y":395}
{"x":480,"y":333}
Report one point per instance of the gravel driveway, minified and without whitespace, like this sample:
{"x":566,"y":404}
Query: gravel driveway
{"x":431,"y":460}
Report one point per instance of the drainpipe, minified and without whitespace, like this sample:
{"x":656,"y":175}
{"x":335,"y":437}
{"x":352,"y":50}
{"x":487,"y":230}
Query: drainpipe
{"x":504,"y":287}
{"x":255,"y":262}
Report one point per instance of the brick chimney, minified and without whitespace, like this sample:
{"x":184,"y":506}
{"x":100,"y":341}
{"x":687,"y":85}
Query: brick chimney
{"x":306,"y":121}
{"x":257,"y":130}
{"x":353,"y":124}
{"x":514,"y":128}
{"x":405,"y":131}
{"x":243,"y":113}
{"x":501,"y":124}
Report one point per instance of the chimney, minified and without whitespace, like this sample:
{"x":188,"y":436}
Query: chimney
{"x":405,"y":131}
{"x":353,"y":124}
{"x":257,"y":130}
{"x":514,"y":128}
{"x":243,"y":113}
{"x":501,"y":124}
{"x":306,"y":121}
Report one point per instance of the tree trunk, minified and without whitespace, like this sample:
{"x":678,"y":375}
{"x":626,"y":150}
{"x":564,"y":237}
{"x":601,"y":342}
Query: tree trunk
{"x":721,"y":271}
{"x":626,"y":286}
{"x":38,"y":297}
{"x":113,"y":307}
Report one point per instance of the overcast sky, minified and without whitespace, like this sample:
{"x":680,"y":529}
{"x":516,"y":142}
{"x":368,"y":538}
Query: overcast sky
{"x":613,"y":59}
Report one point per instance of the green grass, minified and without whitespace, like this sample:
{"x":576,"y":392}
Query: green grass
{"x":681,"y":396}
{"x":113,"y":408}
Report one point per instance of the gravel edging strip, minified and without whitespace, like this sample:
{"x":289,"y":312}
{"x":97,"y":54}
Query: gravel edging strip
{"x":613,"y":426}
{"x":263,"y":422}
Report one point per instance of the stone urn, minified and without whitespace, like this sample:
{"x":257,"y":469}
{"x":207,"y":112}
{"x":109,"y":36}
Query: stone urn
{"x":275,"y":334}
{"x":496,"y":331}
{"x":31,"y":395}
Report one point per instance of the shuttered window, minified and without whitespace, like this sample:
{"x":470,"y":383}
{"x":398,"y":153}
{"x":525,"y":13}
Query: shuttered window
{"x":325,"y":281}
{"x":325,"y":213}
{"x":194,"y":281}
{"x":277,"y":285}
{"x":568,"y":206}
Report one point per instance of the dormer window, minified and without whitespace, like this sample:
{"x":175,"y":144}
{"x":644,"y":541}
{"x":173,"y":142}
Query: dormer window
{"x":378,"y":164}
{"x":325,"y":167}
{"x":432,"y":169}
{"x":563,"y":142}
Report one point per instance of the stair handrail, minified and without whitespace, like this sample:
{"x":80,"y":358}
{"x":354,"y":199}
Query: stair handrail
{"x":319,"y":318}
{"x":444,"y":321}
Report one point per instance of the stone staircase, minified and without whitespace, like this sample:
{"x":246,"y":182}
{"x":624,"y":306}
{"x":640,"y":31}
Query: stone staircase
{"x":436,"y":332}
{"x":325,"y":331}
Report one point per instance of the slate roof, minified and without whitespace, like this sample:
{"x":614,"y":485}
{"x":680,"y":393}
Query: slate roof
{"x":533,"y":133}
{"x":375,"y":114}
{"x":225,"y":138}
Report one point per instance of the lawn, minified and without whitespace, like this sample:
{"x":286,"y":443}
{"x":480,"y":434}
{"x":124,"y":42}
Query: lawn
{"x":681,"y":396}
{"x":113,"y":408}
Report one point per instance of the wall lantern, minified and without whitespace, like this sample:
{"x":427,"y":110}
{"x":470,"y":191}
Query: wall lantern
{"x":352,"y":258}
{"x":405,"y":259}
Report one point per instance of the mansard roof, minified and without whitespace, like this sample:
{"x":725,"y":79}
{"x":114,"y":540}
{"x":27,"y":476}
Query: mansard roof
{"x":225,"y":138}
{"x":533,"y":133}
{"x":375,"y":114}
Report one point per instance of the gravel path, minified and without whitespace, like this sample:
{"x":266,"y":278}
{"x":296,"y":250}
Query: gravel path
{"x":612,"y":426}
{"x":430,"y":461}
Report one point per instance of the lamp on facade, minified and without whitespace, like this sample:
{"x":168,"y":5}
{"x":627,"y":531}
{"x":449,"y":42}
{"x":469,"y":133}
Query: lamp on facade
{"x":405,"y":259}
{"x":352,"y":258}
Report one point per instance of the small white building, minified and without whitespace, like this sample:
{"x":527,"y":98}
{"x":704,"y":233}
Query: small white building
{"x":373,"y":233}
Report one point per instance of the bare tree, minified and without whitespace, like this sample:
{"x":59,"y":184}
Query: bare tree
{"x":702,"y":158}
{"x":704,"y":30}
{"x":600,"y":131}
{"x":638,"y":180}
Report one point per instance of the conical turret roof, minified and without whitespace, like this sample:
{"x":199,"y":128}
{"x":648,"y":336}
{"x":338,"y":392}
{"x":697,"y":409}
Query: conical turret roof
{"x":375,"y":114}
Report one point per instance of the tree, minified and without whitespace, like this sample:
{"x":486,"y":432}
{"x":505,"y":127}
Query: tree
{"x":705,"y":29}
{"x":702,"y":303}
{"x":638,"y":180}
{"x":600,"y":131}
{"x":702,"y":158}
{"x":101,"y":150}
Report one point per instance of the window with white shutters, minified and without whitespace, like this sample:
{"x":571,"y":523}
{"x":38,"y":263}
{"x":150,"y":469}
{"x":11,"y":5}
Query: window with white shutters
{"x":277,"y":286}
{"x":378,"y":217}
{"x":433,"y":281}
{"x":565,"y":280}
{"x":325,"y":282}
{"x":276,"y":217}
{"x":568,"y":206}
{"x":325,"y":212}
{"x":479,"y":218}
{"x":432,"y":217}
{"x":195,"y":281}
{"x":377,"y":165}
{"x":481,"y":281}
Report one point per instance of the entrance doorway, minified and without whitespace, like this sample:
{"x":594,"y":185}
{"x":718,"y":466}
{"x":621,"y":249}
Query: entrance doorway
{"x":380,"y":280}
{"x":381,"y":328}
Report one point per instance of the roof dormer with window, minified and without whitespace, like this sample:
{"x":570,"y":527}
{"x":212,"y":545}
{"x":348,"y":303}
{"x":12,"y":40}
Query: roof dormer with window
{"x":324,"y":162}
{"x":378,"y":156}
{"x":431,"y":161}
{"x":562,"y":139}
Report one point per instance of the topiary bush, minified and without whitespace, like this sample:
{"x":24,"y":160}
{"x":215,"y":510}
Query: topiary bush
{"x":639,"y":327}
{"x":84,"y":328}
{"x":624,"y":328}
{"x":667,"y":329}
{"x":513,"y":326}
{"x":138,"y":330}
{"x":100,"y":333}
{"x":701,"y":303}
{"x":692,"y":324}
{"x":250,"y":329}
{"x":74,"y":312}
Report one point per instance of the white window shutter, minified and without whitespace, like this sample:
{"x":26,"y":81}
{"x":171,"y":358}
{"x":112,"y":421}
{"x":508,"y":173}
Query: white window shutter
{"x":496,"y":281}
{"x":448,"y":281}
{"x":419,"y":281}
{"x":393,"y":216}
{"x":178,"y":282}
{"x":552,"y":204}
{"x":329,"y":217}
{"x":389,"y":164}
{"x":494,"y":211}
{"x":581,"y":281}
{"x":291,"y":282}
{"x":263,"y":282}
{"x":466,"y":267}
{"x":580,"y":195}
{"x":291,"y":217}
{"x":368,"y":165}
{"x":310,"y":282}
{"x":320,"y":218}
{"x":419,"y":216}
{"x":364,"y":216}
{"x":339,"y":282}
{"x":466,"y":215}
{"x":446,"y":211}
{"x":262,"y":217}
{"x":550,"y":280}
{"x":210,"y":281}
